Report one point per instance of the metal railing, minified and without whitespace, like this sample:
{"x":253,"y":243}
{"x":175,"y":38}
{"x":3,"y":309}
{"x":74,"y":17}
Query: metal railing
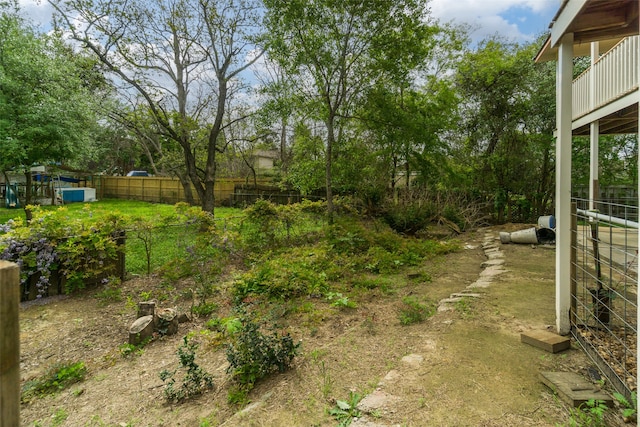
{"x":604,"y":289}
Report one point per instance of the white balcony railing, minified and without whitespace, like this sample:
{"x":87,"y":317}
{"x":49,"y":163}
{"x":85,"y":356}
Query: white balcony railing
{"x":615,"y":74}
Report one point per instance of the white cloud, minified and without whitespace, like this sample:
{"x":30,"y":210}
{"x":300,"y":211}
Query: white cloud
{"x":518,"y":20}
{"x":37,"y":11}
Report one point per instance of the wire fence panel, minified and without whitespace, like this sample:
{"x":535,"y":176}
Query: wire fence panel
{"x":604,"y":292}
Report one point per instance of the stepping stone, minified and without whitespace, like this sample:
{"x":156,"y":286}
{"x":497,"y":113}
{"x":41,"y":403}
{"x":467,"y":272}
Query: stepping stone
{"x":466,"y":295}
{"x":363,"y":422}
{"x":445,"y":307}
{"x":412,"y":360}
{"x":495,"y":255}
{"x":492,"y":262}
{"x":491,"y":250}
{"x":391,"y":376}
{"x":548,"y":341}
{"x":376,"y":401}
{"x":480,"y":284}
{"x":449,"y":300}
{"x":573,"y":388}
{"x":492,"y":271}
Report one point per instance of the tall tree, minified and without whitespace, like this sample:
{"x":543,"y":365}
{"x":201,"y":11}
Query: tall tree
{"x":46,"y":101}
{"x":509,"y":117}
{"x":183,"y":59}
{"x":338,"y":49}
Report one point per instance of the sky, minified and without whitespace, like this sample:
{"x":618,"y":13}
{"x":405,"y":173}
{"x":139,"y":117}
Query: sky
{"x":517,"y":20}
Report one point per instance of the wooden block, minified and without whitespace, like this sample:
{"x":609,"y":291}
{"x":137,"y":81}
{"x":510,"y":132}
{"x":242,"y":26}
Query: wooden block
{"x":573,"y":388}
{"x":548,"y":341}
{"x":141,"y":330}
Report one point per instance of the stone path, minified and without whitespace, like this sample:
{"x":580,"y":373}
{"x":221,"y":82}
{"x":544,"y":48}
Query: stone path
{"x":381,"y":401}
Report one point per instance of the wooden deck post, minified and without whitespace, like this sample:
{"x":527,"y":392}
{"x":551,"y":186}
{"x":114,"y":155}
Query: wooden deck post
{"x":9,"y":344}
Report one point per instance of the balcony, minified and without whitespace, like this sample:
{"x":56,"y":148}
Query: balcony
{"x":608,"y":90}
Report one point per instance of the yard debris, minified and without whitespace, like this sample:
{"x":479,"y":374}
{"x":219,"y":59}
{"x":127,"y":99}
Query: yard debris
{"x":544,"y":234}
{"x":163,"y":321}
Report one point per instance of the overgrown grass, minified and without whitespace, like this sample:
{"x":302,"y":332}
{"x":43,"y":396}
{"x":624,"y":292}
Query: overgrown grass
{"x":167,"y":242}
{"x":57,"y":378}
{"x":130,"y":208}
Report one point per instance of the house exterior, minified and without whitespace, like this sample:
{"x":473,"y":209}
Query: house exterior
{"x":264,"y":160}
{"x":602,"y":100}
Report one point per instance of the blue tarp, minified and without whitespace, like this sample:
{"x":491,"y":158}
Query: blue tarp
{"x":10,"y":198}
{"x":48,"y":178}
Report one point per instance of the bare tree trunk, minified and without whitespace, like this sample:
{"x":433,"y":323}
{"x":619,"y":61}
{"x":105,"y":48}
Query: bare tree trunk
{"x":328,"y":176}
{"x":186,"y":186}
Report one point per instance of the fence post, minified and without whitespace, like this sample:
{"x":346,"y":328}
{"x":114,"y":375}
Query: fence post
{"x":574,"y":258}
{"x":9,"y":344}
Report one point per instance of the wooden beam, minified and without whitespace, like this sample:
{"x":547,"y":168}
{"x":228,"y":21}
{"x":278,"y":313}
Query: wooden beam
{"x":9,"y":344}
{"x":564,"y":20}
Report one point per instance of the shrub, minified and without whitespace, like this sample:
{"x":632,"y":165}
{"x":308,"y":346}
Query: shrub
{"x":260,"y":225}
{"x":301,"y":271}
{"x":194,"y":379}
{"x":55,"y":379}
{"x":348,"y":236}
{"x":414,"y":311}
{"x":80,"y":248}
{"x":410,"y":217}
{"x":253,"y":355}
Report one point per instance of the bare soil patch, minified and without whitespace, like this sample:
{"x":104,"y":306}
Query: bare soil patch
{"x":467,"y":367}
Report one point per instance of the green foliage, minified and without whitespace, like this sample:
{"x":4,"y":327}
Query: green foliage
{"x":346,"y":410}
{"x":266,"y":226}
{"x":300,"y":271}
{"x":340,"y":301}
{"x":463,"y":307}
{"x":127,"y":349}
{"x":306,"y":173}
{"x":57,"y":378}
{"x":509,"y":144}
{"x":59,"y":417}
{"x":47,"y":109}
{"x":194,"y":380}
{"x":79,"y":247}
{"x":413,"y":311}
{"x":348,"y":236}
{"x":629,"y":406}
{"x":310,"y":271}
{"x":253,"y":355}
{"x":204,"y":309}
{"x":589,"y":414}
{"x":410,"y":217}
{"x":111,"y":292}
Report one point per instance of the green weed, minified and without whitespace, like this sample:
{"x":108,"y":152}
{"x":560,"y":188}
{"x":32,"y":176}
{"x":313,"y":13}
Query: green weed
{"x":55,"y":379}
{"x":194,"y":380}
{"x":346,"y":410}
{"x":413,"y":311}
{"x":629,"y":406}
{"x":253,"y":355}
{"x":589,"y":414}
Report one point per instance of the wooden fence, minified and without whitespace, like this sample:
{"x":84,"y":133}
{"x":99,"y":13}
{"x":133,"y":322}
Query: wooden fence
{"x":158,"y":189}
{"x":9,"y":344}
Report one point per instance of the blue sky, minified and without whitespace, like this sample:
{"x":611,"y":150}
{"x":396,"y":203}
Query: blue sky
{"x":517,"y":20}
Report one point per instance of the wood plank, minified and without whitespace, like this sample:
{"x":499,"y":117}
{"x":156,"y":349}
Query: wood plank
{"x":573,"y":388}
{"x":548,"y":341}
{"x":9,"y":344}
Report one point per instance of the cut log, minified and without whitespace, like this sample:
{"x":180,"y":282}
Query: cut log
{"x":184,"y":318}
{"x":141,"y":330}
{"x":146,"y":308}
{"x":167,"y":321}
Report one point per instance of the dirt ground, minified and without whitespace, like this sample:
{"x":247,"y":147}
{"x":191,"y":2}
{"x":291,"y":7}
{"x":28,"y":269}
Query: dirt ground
{"x":462,"y":367}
